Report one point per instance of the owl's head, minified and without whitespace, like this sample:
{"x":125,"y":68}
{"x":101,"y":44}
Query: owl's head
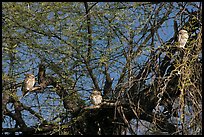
{"x":96,"y":92}
{"x":29,"y":75}
{"x":183,"y":32}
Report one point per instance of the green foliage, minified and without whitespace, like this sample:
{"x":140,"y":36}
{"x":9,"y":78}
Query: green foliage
{"x":75,"y":45}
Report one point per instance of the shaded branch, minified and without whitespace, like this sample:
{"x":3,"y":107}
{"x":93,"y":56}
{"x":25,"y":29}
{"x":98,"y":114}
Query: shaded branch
{"x":108,"y":83}
{"x":71,"y":101}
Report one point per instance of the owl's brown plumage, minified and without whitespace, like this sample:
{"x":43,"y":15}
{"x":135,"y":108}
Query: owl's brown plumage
{"x":182,"y":38}
{"x":28,"y":83}
{"x":96,"y":97}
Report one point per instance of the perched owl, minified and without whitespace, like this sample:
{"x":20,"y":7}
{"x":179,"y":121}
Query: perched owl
{"x":96,"y":97}
{"x":182,"y":38}
{"x":28,"y":83}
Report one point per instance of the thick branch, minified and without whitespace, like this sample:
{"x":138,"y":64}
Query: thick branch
{"x":88,"y":19}
{"x":108,"y":83}
{"x":70,"y":100}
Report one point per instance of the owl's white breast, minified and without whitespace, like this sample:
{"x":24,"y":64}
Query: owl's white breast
{"x":96,"y":99}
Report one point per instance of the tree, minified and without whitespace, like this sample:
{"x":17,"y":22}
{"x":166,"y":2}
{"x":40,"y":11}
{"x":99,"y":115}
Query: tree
{"x":127,"y":51}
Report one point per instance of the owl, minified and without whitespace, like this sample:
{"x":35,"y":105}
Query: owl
{"x":96,"y":97}
{"x":28,"y":83}
{"x":182,"y":38}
